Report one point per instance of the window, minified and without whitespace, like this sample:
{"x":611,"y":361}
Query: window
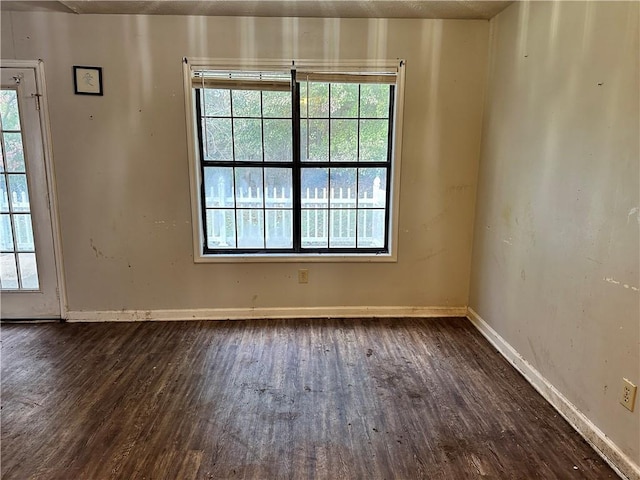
{"x":293,"y":162}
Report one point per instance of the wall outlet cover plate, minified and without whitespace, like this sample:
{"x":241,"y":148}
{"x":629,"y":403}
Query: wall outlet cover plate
{"x":628,"y":395}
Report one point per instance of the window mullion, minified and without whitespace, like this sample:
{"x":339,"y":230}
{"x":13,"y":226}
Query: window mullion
{"x":387,"y":205}
{"x":264,"y":172}
{"x":233,"y":171}
{"x":358,"y":169}
{"x":203,"y":198}
{"x":297,"y":173}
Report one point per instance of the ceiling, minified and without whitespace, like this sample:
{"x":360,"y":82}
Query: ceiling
{"x":460,"y":9}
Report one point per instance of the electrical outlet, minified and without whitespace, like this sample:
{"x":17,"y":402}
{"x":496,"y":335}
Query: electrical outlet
{"x":303,"y":275}
{"x":628,"y":397}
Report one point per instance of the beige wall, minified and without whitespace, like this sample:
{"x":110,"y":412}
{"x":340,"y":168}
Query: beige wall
{"x":555,"y":256}
{"x":555,"y":253}
{"x":122,"y":171}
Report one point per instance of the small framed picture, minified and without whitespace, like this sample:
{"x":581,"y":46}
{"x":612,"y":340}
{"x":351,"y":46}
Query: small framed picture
{"x":87,"y":80}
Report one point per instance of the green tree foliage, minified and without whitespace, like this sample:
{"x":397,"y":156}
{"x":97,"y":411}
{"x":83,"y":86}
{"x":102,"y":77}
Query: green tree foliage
{"x":344,"y":122}
{"x":374,"y":141}
{"x":344,"y":100}
{"x":13,"y":153}
{"x":276,"y":104}
{"x":340,"y":122}
{"x":277,"y":140}
{"x":9,"y":110}
{"x":247,"y":139}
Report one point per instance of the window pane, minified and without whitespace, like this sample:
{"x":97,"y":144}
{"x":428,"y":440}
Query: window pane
{"x":279,"y":228}
{"x":372,"y":186}
{"x":246,"y":103}
{"x":251,"y":206}
{"x":14,"y":152}
{"x":314,"y":97}
{"x":24,"y":233}
{"x":4,"y":197}
{"x":344,"y":140}
{"x":249,"y":187}
{"x":217,"y":103}
{"x":221,"y":229}
{"x":374,"y":140}
{"x":217,"y":139}
{"x":250,"y":228}
{"x":277,"y":141}
{"x":314,"y":140}
{"x":278,"y":188}
{"x":28,"y":270}
{"x":371,"y":228}
{"x":8,"y":271}
{"x":9,"y":110}
{"x":315,"y":228}
{"x":374,"y":101}
{"x":218,"y":186}
{"x":342,"y":229}
{"x":343,"y":187}
{"x":6,"y":233}
{"x":315,"y":184}
{"x":247,"y":138}
{"x":276,"y":104}
{"x":19,"y":193}
{"x":304,"y":105}
{"x":344,"y":100}
{"x":1,"y":161}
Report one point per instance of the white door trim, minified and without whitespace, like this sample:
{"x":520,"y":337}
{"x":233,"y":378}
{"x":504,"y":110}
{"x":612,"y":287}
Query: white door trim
{"x":45,"y":127}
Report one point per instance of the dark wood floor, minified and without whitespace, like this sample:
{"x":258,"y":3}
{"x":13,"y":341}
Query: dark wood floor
{"x":323,"y":399}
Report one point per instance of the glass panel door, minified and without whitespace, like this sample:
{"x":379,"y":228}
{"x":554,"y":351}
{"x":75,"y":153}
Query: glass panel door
{"x":28,"y":273}
{"x":18,"y":264}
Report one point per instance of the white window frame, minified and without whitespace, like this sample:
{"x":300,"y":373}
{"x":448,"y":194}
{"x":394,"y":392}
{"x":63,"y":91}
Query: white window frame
{"x":196,"y":64}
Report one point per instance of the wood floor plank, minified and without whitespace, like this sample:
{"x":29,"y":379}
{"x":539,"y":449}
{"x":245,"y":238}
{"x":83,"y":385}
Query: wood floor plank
{"x":277,"y":399}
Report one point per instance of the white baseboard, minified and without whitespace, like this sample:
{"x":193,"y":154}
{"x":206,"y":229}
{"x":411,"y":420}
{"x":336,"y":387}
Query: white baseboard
{"x":268,"y":313}
{"x":609,"y":451}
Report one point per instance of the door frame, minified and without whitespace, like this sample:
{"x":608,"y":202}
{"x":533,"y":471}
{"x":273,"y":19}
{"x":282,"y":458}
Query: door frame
{"x":52,"y":195}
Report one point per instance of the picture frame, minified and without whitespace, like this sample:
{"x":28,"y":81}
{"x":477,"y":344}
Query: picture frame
{"x":87,"y":80}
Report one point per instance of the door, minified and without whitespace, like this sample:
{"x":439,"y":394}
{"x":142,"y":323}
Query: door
{"x":28,"y":278}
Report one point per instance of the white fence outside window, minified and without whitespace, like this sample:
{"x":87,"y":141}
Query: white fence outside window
{"x":330,"y":217}
{"x":21,"y":221}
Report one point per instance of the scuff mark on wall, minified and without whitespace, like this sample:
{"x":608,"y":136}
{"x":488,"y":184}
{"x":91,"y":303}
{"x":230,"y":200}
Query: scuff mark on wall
{"x":167,"y":225}
{"x":506,"y":215}
{"x":433,"y":220}
{"x":431,"y":255}
{"x":97,"y":252}
{"x":634,"y":211}
{"x":625,"y":285}
{"x":458,"y":188}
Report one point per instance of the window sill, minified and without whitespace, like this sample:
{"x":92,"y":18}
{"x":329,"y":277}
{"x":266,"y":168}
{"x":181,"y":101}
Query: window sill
{"x":298,"y":258}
